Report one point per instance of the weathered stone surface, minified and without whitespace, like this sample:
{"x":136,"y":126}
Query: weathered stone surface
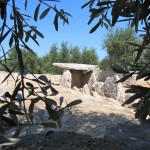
{"x":92,"y":83}
{"x":85,"y":89}
{"x":75,"y":88}
{"x":100,"y":88}
{"x":109,"y":88}
{"x":89,"y":84}
{"x":94,"y":93}
{"x":66,"y":79}
{"x":55,"y":79}
{"x":122,"y":96}
{"x":73,"y":66}
{"x":113,"y":89}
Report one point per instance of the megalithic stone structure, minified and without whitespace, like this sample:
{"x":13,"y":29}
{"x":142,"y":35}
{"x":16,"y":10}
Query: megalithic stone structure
{"x":76,"y":74}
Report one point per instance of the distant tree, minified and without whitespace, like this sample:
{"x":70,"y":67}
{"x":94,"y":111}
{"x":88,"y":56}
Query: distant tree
{"x":53,"y":53}
{"x":45,"y":64}
{"x":64,"y":54}
{"x":54,"y":58}
{"x":75,"y":55}
{"x":12,"y":59}
{"x":29,"y":59}
{"x":146,"y":55}
{"x":39,"y":67}
{"x":48,"y":59}
{"x":89,"y":56}
{"x":117,"y":47}
{"x":105,"y":64}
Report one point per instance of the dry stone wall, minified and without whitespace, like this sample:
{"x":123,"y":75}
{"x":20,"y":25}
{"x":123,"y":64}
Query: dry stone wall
{"x":9,"y":80}
{"x":55,"y":79}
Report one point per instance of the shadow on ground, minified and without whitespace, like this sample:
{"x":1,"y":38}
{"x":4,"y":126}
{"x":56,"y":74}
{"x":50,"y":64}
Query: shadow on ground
{"x":127,"y":132}
{"x":110,"y":132}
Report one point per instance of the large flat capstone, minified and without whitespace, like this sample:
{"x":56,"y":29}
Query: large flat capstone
{"x":74,"y":66}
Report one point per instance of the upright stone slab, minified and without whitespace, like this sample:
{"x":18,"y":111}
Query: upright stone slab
{"x":85,"y":89}
{"x":66,"y":79}
{"x":113,"y":89}
{"x":100,"y":88}
{"x":92,"y":83}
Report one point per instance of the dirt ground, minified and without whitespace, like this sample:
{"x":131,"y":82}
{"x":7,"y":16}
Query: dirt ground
{"x":97,"y":123}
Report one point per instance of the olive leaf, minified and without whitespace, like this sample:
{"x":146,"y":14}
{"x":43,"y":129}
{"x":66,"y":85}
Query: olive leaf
{"x":37,"y":12}
{"x":45,"y":12}
{"x":73,"y":103}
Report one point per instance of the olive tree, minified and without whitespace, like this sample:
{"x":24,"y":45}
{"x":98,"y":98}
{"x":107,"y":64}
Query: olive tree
{"x":89,"y":56}
{"x":134,"y":12}
{"x":116,"y":44}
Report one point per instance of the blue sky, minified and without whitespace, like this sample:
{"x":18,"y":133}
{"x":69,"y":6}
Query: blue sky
{"x":76,"y":33}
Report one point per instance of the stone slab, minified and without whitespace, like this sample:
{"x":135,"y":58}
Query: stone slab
{"x":74,"y":66}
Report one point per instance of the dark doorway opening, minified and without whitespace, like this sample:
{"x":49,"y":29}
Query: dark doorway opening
{"x":80,"y":78}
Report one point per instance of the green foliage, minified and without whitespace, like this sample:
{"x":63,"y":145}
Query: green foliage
{"x":53,"y":53}
{"x":46,"y":62}
{"x":105,"y":64}
{"x":116,"y":44}
{"x":75,"y":55}
{"x":44,"y":65}
{"x":30,"y":59}
{"x":135,"y":12}
{"x":64,"y":53}
{"x":89,"y":56}
{"x":146,"y":54}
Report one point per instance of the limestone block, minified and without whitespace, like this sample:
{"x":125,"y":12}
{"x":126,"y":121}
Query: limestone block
{"x":113,"y":89}
{"x":66,"y":79}
{"x":100,"y":88}
{"x":55,"y":79}
{"x":92,"y":82}
{"x":94,"y":93}
{"x":75,"y":66}
{"x":85,"y":89}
